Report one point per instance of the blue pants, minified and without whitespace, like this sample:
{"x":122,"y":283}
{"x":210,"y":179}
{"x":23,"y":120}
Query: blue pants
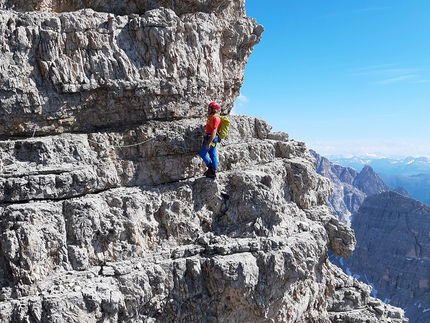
{"x":209,"y":156}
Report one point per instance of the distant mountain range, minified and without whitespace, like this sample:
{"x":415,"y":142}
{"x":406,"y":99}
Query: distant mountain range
{"x":407,"y":166}
{"x":393,"y":246}
{"x":350,"y":187}
{"x":411,"y":173}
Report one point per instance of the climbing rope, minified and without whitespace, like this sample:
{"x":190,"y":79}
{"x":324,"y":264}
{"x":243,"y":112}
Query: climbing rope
{"x":125,"y":146}
{"x":144,"y":142}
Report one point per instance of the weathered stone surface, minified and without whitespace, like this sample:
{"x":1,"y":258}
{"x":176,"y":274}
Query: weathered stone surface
{"x":391,"y":237}
{"x":251,"y":246}
{"x":127,"y":7}
{"x":351,"y":303}
{"x":85,"y":70}
{"x":393,"y":251}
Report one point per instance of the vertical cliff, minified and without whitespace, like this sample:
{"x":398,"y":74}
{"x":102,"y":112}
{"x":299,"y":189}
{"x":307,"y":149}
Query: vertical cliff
{"x":104,"y":214}
{"x":393,"y":250}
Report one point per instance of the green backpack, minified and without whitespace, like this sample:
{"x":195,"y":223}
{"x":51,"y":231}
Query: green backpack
{"x":225,"y":126}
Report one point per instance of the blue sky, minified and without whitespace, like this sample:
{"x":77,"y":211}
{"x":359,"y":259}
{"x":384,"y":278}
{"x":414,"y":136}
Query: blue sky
{"x":348,"y":77}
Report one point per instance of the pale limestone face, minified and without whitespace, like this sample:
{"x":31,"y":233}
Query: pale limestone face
{"x":106,"y":70}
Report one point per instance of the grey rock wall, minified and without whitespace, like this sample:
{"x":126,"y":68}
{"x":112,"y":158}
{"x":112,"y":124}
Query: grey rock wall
{"x":85,"y":70}
{"x":83,"y":229}
{"x":393,"y":250}
{"x":127,"y":7}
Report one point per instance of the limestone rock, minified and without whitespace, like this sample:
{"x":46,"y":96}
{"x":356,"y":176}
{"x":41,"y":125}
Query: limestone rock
{"x":251,"y":246}
{"x":85,"y":70}
{"x":351,"y":302}
{"x":126,"y":7}
{"x":393,"y":250}
{"x":369,"y":182}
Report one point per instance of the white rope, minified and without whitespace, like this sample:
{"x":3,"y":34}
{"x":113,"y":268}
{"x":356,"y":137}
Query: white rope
{"x":124,"y":146}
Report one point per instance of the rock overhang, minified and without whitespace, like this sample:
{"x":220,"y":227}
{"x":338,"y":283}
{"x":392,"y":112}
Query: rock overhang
{"x":89,"y":70}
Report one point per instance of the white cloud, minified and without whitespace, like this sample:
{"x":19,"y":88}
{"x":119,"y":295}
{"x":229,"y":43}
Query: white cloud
{"x":396,"y":79}
{"x":242,"y":99}
{"x":388,"y":74}
{"x":379,"y":147}
{"x":240,"y":102}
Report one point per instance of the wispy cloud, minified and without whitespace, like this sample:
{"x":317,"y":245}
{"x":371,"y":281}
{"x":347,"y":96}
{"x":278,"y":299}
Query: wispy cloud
{"x":389,"y":73}
{"x":242,"y":99}
{"x":240,"y":102}
{"x":397,"y":79}
{"x":379,"y":147}
{"x":356,"y":11}
{"x":371,"y":69}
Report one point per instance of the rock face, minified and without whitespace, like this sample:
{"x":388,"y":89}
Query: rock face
{"x":369,"y":182}
{"x":105,"y":218}
{"x":350,"y":187}
{"x":127,"y":7}
{"x":116,"y":231}
{"x":393,"y":251}
{"x":86,"y":70}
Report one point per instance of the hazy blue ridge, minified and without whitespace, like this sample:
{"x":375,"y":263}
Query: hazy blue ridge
{"x":411,"y":173}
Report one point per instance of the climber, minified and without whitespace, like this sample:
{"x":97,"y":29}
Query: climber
{"x":208,"y":151}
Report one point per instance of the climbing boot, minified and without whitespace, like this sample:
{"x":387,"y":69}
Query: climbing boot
{"x":208,"y":171}
{"x":211,"y":173}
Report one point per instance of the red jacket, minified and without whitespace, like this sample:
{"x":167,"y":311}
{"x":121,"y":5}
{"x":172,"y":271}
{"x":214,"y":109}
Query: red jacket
{"x":214,"y":121}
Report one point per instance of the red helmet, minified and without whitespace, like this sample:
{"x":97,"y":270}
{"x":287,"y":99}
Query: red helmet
{"x":215,"y":105}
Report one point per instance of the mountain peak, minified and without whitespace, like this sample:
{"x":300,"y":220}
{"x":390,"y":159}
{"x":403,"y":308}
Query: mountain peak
{"x":369,"y":182}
